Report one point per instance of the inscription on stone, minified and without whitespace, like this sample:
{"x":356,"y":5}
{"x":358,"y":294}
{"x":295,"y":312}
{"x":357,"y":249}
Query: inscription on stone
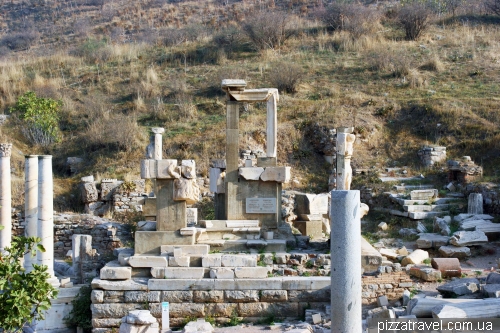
{"x":261,"y":205}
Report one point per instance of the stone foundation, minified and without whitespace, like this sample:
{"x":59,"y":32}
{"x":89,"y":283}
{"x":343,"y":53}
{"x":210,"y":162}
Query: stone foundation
{"x":223,"y":299}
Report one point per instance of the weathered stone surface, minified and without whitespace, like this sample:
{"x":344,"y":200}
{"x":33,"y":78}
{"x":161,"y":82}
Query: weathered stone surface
{"x":370,"y":258}
{"x":430,"y":240}
{"x":175,"y":296}
{"x":468,"y":238}
{"x":181,"y":284}
{"x":391,"y":254}
{"x":188,"y":250}
{"x":140,"y":317}
{"x":183,"y":261}
{"x":129,"y":328}
{"x":311,"y":204}
{"x":425,"y":273}
{"x":146,"y":226}
{"x":148,"y":261}
{"x":184,"y":273}
{"x":321,"y":295}
{"x":459,"y":287}
{"x":114,"y":310}
{"x":114,"y":296}
{"x":186,"y":190}
{"x":251,"y":272}
{"x":442,"y":225}
{"x":222,"y":273}
{"x":230,"y":260}
{"x":491,"y":290}
{"x":273,"y":296}
{"x":89,"y":192}
{"x":416,"y":257}
{"x":148,"y":169}
{"x":188,"y":169}
{"x":450,"y":251}
{"x":238,"y":296}
{"x":211,"y":260}
{"x":167,"y":169}
{"x":211,"y":296}
{"x":493,"y":278}
{"x":200,"y":326}
{"x":106,"y":323}
{"x":142,"y":296}
{"x":449,"y":267}
{"x":423,"y":194}
{"x":277,"y":174}
{"x":132,"y":284}
{"x":252,"y":173}
{"x":116,"y":273}
{"x":285,"y":310}
{"x":97,"y":296}
{"x":158,"y":272}
{"x":220,"y":309}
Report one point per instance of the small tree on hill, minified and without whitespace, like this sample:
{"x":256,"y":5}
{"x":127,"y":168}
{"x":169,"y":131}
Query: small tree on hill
{"x":414,"y":17}
{"x":268,"y":30}
{"x":40,"y":117}
{"x":23,"y":296}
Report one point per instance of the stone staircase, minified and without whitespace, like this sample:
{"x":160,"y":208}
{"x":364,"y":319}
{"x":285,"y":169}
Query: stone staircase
{"x":422,"y":202}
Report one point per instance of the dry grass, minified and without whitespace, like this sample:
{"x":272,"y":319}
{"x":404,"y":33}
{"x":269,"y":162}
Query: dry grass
{"x":388,"y":88}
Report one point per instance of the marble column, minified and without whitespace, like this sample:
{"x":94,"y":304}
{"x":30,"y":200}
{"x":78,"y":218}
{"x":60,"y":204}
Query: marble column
{"x":345,"y":143}
{"x":5,"y":196}
{"x":345,"y":249}
{"x":30,"y":205}
{"x":232,"y":153}
{"x":46,"y":215}
{"x":272,"y":125}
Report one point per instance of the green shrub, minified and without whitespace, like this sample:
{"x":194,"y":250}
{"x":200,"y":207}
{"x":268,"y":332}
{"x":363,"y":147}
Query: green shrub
{"x":81,"y":315}
{"x":25,"y":295}
{"x":40,"y":118}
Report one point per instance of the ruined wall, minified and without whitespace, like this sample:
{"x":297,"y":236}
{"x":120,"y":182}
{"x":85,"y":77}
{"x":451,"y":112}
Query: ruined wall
{"x":106,"y":234}
{"x":248,"y":299}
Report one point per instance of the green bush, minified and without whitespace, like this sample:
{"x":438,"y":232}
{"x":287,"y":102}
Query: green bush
{"x":81,"y":315}
{"x":24,"y":296}
{"x":40,"y":118}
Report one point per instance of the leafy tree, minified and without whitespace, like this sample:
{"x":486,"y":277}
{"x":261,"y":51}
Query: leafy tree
{"x":40,"y":117}
{"x":23,"y":296}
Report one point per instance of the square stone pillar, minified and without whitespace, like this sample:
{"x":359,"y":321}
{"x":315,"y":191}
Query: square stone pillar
{"x":170,"y":214}
{"x":232,"y":150}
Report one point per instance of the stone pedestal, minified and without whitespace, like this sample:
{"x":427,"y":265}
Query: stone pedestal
{"x":170,"y":214}
{"x":5,"y":196}
{"x":346,"y":262}
{"x":475,"y":204}
{"x":30,"y":205}
{"x":46,"y":215}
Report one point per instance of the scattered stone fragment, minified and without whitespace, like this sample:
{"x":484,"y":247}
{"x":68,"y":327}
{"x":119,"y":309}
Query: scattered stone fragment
{"x":429,"y":240}
{"x":449,"y":267}
{"x":416,"y":257}
{"x":382,"y":301}
{"x":491,"y":290}
{"x":493,"y":278}
{"x":468,"y":238}
{"x":450,"y":251}
{"x":425,"y":273}
{"x":382,"y":226}
{"x":198,"y":326}
{"x":459,"y":287}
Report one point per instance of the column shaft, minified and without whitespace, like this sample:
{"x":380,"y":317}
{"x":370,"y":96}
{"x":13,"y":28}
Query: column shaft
{"x":5,"y":196}
{"x":272,"y":126}
{"x":346,"y":262}
{"x":46,"y":212}
{"x":30,"y":204}
{"x":232,"y":153}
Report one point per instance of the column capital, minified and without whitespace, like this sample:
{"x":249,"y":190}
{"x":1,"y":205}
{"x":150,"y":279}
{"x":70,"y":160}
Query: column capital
{"x":5,"y":149}
{"x":158,"y":130}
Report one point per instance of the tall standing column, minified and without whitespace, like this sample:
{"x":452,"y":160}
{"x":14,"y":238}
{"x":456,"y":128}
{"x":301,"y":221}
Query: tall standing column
{"x":475,"y":203}
{"x":30,"y":204}
{"x":272,"y":125}
{"x":5,"y":196}
{"x":46,"y":215}
{"x":345,"y":249}
{"x":232,"y":152}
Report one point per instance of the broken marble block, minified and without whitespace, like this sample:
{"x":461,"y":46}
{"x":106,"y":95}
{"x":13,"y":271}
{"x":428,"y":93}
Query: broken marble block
{"x":251,"y":173}
{"x":186,"y":190}
{"x":459,"y":287}
{"x":277,"y":174}
{"x":468,"y":238}
{"x":167,"y":169}
{"x":429,"y":240}
{"x":425,"y":273}
{"x":139,"y":321}
{"x":450,"y":251}
{"x":416,"y":257}
{"x":188,"y":169}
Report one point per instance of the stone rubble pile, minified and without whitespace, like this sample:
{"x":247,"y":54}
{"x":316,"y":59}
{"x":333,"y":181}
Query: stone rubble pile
{"x":430,"y":155}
